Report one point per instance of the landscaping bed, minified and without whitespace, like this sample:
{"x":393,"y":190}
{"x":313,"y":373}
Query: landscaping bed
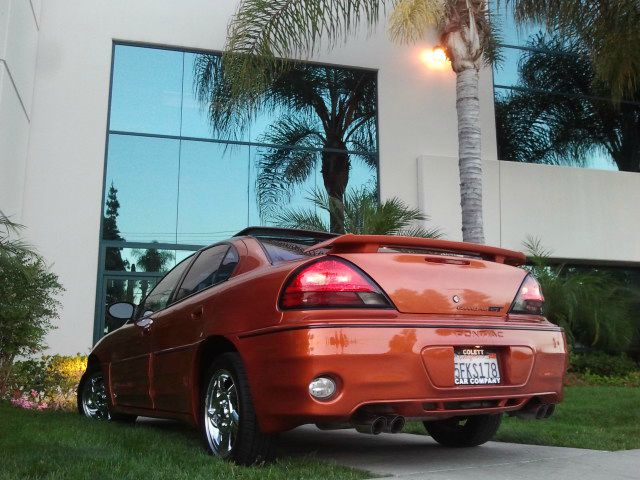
{"x":55,"y":444}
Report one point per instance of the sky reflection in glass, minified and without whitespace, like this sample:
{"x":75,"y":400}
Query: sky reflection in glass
{"x":193,"y":188}
{"x":553,"y":114}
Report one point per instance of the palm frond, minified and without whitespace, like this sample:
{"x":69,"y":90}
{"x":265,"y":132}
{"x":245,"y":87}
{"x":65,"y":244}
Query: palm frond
{"x":609,"y":31}
{"x":421,"y":232}
{"x":493,"y":40}
{"x":301,"y":219}
{"x":593,"y":307}
{"x":363,"y":214}
{"x":10,"y":243}
{"x":294,"y":131}
{"x":280,"y":169}
{"x":535,"y":126}
{"x":537,"y":253}
{"x":363,"y":145}
{"x":261,"y":32}
{"x":412,"y":19}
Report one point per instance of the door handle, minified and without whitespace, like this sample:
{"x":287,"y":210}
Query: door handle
{"x":196,"y":314}
{"x":145,"y":324}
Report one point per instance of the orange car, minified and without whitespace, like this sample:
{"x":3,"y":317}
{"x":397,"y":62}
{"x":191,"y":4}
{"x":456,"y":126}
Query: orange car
{"x":276,"y":328}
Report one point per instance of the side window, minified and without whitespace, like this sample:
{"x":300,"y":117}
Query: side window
{"x":212,"y":266}
{"x":159,"y":296}
{"x":228,"y":266}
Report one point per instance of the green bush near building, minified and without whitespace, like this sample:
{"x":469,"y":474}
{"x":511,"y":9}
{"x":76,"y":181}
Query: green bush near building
{"x":599,"y":363}
{"x":29,"y":294}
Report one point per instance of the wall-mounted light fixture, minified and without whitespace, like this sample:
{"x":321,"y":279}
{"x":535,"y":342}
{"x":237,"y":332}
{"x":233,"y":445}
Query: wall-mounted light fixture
{"x":435,"y":58}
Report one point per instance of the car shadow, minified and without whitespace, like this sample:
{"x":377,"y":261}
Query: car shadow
{"x":387,"y":454}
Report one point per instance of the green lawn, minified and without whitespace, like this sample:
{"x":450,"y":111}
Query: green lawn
{"x":601,"y":418}
{"x":56,"y":445}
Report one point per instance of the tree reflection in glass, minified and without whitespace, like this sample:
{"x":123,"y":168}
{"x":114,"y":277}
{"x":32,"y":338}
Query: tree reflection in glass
{"x":318,"y":114}
{"x":559,"y":114}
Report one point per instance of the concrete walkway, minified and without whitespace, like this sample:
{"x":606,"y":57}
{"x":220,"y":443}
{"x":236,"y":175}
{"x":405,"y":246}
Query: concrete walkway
{"x":412,"y":457}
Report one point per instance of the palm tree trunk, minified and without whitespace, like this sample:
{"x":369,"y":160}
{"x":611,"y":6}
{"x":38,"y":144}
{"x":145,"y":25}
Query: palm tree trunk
{"x":470,"y":163}
{"x":335,"y":174}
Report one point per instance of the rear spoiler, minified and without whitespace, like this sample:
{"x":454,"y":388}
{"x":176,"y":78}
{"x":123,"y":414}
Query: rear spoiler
{"x":350,"y":243}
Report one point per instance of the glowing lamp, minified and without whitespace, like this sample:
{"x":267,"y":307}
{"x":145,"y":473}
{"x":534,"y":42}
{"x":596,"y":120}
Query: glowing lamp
{"x":435,"y":58}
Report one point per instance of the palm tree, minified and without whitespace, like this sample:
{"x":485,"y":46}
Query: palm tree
{"x":576,"y":120}
{"x":262,"y":33}
{"x":152,"y":260}
{"x":325,"y":108}
{"x":363,"y":214}
{"x":608,"y":29}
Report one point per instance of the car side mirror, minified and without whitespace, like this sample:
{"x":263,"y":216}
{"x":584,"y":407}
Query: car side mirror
{"x":121,"y":310}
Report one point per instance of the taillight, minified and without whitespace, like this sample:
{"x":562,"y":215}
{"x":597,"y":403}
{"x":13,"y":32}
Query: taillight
{"x":529,"y":299}
{"x":332,"y":283}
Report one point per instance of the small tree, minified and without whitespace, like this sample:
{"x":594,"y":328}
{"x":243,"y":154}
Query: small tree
{"x":362,"y":214}
{"x":113,"y":256}
{"x":28,"y":292}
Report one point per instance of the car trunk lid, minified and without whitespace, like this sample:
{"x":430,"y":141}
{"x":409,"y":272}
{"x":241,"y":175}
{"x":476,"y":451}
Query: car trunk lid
{"x":430,"y":276}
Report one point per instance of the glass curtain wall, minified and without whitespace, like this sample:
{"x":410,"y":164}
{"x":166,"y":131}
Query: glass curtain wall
{"x":551,"y":110}
{"x":173,"y":183}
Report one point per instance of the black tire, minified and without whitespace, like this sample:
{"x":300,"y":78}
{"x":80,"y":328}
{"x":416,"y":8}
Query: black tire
{"x":108,"y":413}
{"x":464,"y":431}
{"x":249,"y":445}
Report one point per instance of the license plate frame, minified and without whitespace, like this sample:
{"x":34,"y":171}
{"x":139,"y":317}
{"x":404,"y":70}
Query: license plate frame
{"x":476,"y":367}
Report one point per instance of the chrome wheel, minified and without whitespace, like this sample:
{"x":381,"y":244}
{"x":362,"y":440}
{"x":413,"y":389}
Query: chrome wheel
{"x":221,"y":413}
{"x":94,"y":397}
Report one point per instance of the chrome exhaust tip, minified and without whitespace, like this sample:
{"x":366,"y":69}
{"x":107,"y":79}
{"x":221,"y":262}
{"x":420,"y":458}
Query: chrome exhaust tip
{"x":371,"y":425}
{"x":395,"y":423}
{"x":542,"y":412}
{"x":537,"y":411}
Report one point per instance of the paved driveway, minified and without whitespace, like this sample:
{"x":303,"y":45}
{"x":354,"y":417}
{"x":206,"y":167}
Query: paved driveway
{"x":412,"y":457}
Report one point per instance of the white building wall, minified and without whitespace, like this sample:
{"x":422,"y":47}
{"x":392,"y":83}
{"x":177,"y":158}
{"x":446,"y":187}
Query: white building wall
{"x":18,"y":48}
{"x":64,"y":172}
{"x":584,"y":215}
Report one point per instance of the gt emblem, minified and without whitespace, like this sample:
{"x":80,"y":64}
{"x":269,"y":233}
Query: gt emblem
{"x":456,"y":299}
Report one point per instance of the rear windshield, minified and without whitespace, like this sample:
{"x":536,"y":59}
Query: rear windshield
{"x":285,"y":251}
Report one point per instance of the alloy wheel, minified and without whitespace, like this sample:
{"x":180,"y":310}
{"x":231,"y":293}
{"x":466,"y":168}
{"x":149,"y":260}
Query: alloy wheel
{"x":94,"y":397}
{"x":222,"y":413}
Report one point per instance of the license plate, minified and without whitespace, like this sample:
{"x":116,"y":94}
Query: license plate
{"x":475,"y":366}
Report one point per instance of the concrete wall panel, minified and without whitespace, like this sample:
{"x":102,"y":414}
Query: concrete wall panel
{"x":586,"y":215}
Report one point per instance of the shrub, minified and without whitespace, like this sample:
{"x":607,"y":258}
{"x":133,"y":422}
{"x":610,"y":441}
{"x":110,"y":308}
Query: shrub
{"x":49,"y":382}
{"x":28,"y":292}
{"x":593,"y":307}
{"x":599,"y":363}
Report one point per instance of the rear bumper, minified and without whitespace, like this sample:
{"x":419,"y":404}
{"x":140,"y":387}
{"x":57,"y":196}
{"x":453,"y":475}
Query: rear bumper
{"x":405,"y":369}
